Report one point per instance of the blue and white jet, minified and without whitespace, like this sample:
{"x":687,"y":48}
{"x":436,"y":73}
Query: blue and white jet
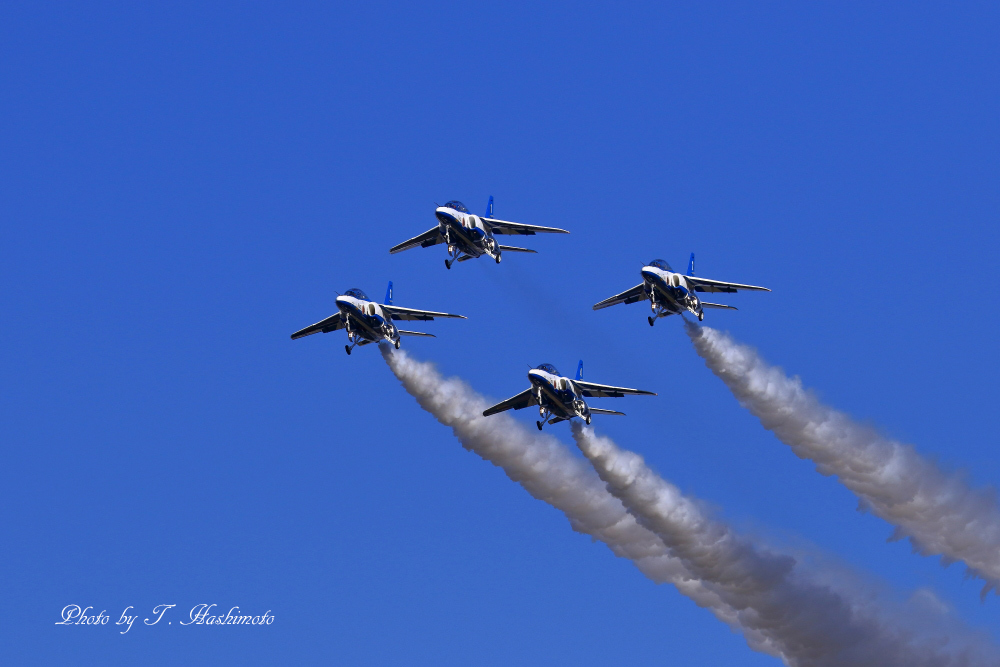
{"x":369,"y":322}
{"x":672,"y":293}
{"x":561,"y":398}
{"x":469,"y":236}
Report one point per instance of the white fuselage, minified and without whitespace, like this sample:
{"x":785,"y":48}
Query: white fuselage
{"x":466,"y":232}
{"x":557,"y":395}
{"x":669,"y":292}
{"x":366,"y":319}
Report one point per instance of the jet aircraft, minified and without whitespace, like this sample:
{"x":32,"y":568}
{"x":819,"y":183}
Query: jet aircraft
{"x":469,"y":236}
{"x":369,"y":322}
{"x":561,"y":398}
{"x":671,"y":293}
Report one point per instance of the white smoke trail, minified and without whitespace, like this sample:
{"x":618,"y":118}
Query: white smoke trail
{"x":811,"y":624}
{"x":937,"y":511}
{"x":549,"y":472}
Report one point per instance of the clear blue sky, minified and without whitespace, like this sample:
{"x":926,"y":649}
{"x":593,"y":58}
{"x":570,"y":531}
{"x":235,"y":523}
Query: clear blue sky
{"x":184,"y":186}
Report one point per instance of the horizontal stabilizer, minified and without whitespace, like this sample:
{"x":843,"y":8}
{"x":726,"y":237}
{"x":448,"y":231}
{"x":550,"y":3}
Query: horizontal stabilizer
{"x":602,"y":411}
{"x":705,"y":304}
{"x":414,"y":333}
{"x":511,"y":248}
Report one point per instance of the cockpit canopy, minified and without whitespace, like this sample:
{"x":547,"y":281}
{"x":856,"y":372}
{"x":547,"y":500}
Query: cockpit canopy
{"x":660,"y":264}
{"x":357,"y":294}
{"x":548,"y":368}
{"x":457,"y":205}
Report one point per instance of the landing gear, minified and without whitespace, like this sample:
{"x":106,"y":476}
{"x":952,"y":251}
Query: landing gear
{"x":353,"y":337}
{"x":701,"y":316}
{"x":453,"y":252}
{"x":396,"y":343}
{"x":651,"y":320}
{"x":498,"y":259}
{"x":543,"y":411}
{"x":587,"y":420}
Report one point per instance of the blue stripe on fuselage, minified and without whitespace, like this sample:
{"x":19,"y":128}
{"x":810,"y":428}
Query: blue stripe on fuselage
{"x":462,"y":234}
{"x":560,"y":402}
{"x":659,"y":284}
{"x":368,"y":329}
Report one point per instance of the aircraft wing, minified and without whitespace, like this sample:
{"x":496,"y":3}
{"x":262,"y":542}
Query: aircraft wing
{"x":399,"y":313}
{"x":523,"y":400}
{"x":592,"y":390}
{"x":430,"y":237}
{"x":707,"y":285}
{"x":503,"y":227}
{"x":331,"y":323}
{"x":637,"y":293}
{"x":706,"y":304}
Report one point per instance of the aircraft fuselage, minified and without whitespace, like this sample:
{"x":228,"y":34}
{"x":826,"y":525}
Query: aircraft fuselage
{"x":466,"y":233}
{"x":557,"y":396}
{"x":669,"y":293}
{"x":366,"y":320}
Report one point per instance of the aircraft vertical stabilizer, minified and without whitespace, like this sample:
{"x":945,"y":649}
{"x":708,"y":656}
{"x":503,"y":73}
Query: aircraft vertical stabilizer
{"x":579,"y":371}
{"x":489,"y":208}
{"x":388,"y":294}
{"x":691,"y":265}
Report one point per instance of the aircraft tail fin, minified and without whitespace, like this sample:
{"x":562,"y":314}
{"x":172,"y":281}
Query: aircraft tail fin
{"x":691,"y":265}
{"x":414,"y":333}
{"x":508,"y":248}
{"x":579,"y":371}
{"x":388,"y":295}
{"x":489,"y":208}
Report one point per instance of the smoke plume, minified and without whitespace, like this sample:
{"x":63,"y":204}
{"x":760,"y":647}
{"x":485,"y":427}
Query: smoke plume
{"x":550,"y":472}
{"x":936,"y":510}
{"x":811,"y":624}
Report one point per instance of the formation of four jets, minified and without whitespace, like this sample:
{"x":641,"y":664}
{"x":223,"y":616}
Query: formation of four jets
{"x":468,"y":236}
